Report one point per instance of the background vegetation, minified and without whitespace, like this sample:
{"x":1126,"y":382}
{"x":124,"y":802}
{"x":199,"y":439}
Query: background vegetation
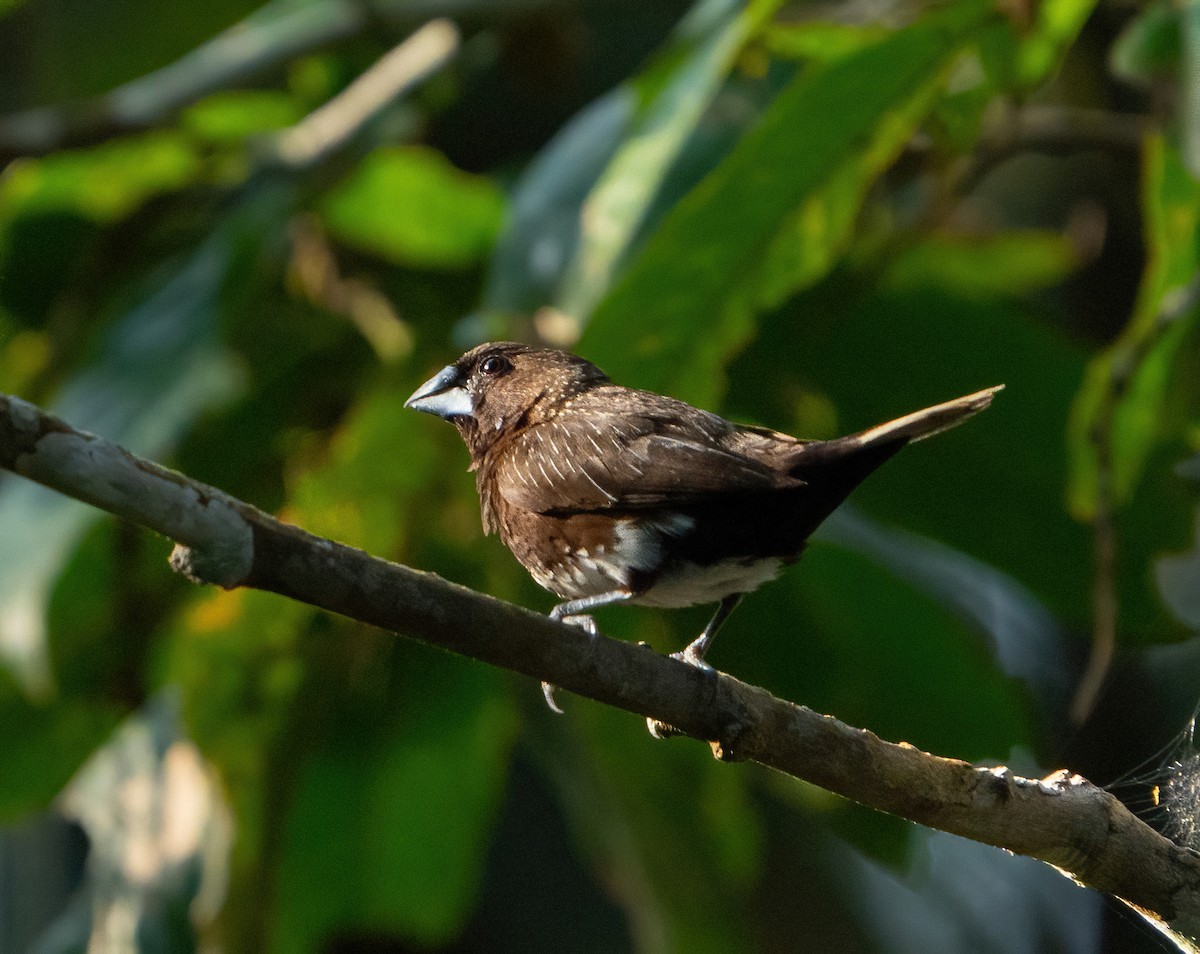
{"x":809,"y":216}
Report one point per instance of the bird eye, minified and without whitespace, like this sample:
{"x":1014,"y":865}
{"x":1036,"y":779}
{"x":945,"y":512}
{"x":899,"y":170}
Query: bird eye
{"x":494,"y":366}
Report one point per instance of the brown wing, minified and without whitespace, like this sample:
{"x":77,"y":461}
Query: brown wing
{"x":614,"y":448}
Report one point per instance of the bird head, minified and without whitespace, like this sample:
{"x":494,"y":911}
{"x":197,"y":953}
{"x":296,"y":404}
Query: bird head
{"x":497,"y":387}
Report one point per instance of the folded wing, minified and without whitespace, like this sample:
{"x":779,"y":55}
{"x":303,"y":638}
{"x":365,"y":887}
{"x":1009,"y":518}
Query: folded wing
{"x":616,"y":449}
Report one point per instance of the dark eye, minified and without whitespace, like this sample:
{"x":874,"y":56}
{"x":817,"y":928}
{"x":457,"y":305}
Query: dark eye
{"x":494,"y":366}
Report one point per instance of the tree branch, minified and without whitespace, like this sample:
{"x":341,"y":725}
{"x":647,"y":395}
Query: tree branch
{"x":1062,"y":819}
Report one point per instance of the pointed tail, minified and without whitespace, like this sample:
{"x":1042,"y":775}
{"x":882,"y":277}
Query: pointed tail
{"x":925,"y":423}
{"x":831,"y":469}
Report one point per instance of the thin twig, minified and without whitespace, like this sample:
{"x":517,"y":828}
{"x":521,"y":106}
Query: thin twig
{"x":326,"y":130}
{"x":1050,"y":129}
{"x":1062,"y":819}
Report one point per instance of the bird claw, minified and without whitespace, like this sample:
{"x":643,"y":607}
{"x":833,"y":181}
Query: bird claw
{"x":549,"y":690}
{"x":692,"y":655}
{"x":661,"y":730}
{"x":693,"y":658}
{"x":580,"y":620}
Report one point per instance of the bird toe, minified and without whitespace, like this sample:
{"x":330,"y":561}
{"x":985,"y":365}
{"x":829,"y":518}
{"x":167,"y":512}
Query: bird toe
{"x":550,"y":691}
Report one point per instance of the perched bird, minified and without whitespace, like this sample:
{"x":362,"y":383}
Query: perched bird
{"x":608,"y":494}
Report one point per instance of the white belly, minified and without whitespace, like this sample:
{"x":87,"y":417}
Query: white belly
{"x":637,"y":546}
{"x":693,"y":584}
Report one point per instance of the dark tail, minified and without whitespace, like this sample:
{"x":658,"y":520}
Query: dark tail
{"x":832,"y":469}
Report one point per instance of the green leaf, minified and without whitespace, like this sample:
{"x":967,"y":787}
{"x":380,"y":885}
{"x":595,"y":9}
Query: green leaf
{"x":1150,"y":47}
{"x":542,"y":229}
{"x":618,"y":204}
{"x":387,"y":829}
{"x":234,"y":115}
{"x":44,"y":744}
{"x":378,"y":463}
{"x":1162,"y":46}
{"x":1189,"y":93}
{"x":879,"y":654}
{"x":104,"y":183}
{"x":1002,"y":265}
{"x":411,"y":206}
{"x":588,"y":197}
{"x":159,"y":366}
{"x":1056,"y":24}
{"x":678,"y":842}
{"x":872,"y":347}
{"x":692,"y":291}
{"x":1178,"y":578}
{"x":1126,"y":390}
{"x":820,"y":41}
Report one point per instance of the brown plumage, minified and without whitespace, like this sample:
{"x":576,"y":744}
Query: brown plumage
{"x":606,"y":493}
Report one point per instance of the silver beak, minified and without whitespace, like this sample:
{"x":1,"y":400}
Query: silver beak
{"x":445,"y":394}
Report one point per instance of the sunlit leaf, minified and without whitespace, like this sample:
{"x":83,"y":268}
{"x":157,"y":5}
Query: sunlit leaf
{"x":411,"y":206}
{"x":237,"y":114}
{"x":1055,"y":24}
{"x":820,"y":40}
{"x":103,"y":183}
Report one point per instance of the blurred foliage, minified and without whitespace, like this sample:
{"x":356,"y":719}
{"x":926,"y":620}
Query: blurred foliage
{"x":811,"y":218}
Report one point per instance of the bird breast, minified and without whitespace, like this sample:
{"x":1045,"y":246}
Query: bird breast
{"x":588,"y":554}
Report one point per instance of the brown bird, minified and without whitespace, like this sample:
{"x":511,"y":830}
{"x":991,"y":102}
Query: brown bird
{"x":608,"y":494}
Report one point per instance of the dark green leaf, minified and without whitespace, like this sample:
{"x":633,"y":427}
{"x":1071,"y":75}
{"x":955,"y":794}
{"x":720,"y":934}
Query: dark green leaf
{"x":357,"y":854}
{"x":692,"y":291}
{"x":1123,"y":403}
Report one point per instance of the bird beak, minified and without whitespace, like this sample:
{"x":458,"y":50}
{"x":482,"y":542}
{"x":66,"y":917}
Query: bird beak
{"x":444,"y":395}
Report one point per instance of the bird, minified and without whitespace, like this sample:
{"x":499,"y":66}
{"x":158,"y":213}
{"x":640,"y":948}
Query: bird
{"x":608,"y":494}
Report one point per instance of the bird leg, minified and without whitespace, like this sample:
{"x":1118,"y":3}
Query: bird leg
{"x":693,"y":655}
{"x":695,"y":651}
{"x":574,"y":613}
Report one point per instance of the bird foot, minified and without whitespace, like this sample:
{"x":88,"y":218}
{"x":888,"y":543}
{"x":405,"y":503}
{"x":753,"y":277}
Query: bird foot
{"x":582,"y":621}
{"x":661,"y":730}
{"x":693,"y":657}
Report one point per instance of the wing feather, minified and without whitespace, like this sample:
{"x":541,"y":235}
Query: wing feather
{"x":617,"y":449}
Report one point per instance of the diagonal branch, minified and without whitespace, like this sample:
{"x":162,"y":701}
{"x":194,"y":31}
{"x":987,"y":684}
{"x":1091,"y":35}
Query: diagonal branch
{"x":1062,"y":819}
